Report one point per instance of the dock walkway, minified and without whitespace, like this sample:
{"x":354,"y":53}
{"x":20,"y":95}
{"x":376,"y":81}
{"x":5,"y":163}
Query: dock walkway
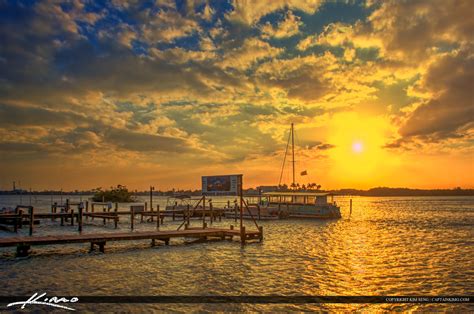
{"x":24,"y":243}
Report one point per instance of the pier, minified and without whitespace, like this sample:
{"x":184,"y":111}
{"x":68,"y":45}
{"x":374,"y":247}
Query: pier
{"x":24,"y":243}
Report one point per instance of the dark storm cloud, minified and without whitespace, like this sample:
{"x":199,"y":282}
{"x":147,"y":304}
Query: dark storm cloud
{"x":414,"y":27}
{"x":452,"y":112}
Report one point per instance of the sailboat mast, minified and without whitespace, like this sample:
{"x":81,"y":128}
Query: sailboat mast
{"x":293,"y":152}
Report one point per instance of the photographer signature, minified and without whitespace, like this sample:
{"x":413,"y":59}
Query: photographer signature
{"x":41,"y":300}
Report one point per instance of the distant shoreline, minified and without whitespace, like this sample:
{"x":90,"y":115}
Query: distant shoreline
{"x":374,"y":192}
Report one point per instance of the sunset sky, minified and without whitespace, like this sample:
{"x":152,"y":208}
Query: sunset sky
{"x":162,"y":92}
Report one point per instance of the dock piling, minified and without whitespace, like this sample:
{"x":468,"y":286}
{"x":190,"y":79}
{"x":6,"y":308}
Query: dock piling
{"x":22,"y":250}
{"x":66,"y":209}
{"x":158,"y":217}
{"x":15,"y":221}
{"x":87,"y":209}
{"x":20,"y":219}
{"x":79,"y":218}
{"x":211,"y":213}
{"x":31,"y":214}
{"x":188,"y":213}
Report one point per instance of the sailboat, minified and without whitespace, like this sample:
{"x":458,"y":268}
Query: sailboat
{"x":298,"y":204}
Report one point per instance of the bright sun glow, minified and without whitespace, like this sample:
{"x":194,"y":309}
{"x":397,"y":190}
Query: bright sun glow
{"x":357,"y":147}
{"x":359,"y":157}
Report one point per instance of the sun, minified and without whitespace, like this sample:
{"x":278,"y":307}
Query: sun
{"x":357,"y":147}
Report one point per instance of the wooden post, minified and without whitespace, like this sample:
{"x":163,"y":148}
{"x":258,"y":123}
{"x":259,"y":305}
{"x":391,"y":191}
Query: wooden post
{"x":101,"y":247}
{"x":79,"y":218}
{"x":30,"y":209}
{"x":66,"y":209}
{"x":151,"y":198}
{"x":116,"y":215}
{"x":22,"y":250}
{"x":92,"y":210}
{"x":242,"y":235}
{"x":72,"y":217}
{"x":228,"y":204}
{"x":104,"y":210}
{"x":157,"y":217}
{"x":62,"y":218}
{"x":235,"y":211}
{"x":132,"y":217}
{"x":20,"y":221}
{"x":146,"y":206}
{"x":259,"y":214}
{"x":241,"y":204}
{"x":152,"y":217}
{"x":18,"y":214}
{"x":203,"y":211}
{"x":260,"y":235}
{"x":87,"y":209}
{"x":211,"y":212}
{"x":188,"y":213}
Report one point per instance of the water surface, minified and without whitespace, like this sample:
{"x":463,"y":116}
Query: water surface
{"x":387,"y":246}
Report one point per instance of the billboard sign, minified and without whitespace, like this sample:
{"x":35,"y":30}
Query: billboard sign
{"x":221,"y":185}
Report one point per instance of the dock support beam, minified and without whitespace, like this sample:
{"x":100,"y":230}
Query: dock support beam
{"x":101,"y":245}
{"x":22,"y":250}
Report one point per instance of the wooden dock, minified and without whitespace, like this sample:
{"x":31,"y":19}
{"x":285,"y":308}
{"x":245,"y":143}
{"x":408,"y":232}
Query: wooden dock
{"x":24,"y":243}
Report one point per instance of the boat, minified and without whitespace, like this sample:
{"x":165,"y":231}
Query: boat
{"x":295,"y":203}
{"x":300,"y":205}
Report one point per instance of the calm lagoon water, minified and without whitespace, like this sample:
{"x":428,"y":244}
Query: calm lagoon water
{"x":388,"y":246}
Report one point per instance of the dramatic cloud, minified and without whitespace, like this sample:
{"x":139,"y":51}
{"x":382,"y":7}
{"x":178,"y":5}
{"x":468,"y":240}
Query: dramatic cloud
{"x":249,"y":12}
{"x":156,"y":87}
{"x":250,"y":52}
{"x":286,"y":28}
{"x":450,"y":112}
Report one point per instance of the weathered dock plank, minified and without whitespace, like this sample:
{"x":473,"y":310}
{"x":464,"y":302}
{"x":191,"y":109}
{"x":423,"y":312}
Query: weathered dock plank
{"x":23,"y":243}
